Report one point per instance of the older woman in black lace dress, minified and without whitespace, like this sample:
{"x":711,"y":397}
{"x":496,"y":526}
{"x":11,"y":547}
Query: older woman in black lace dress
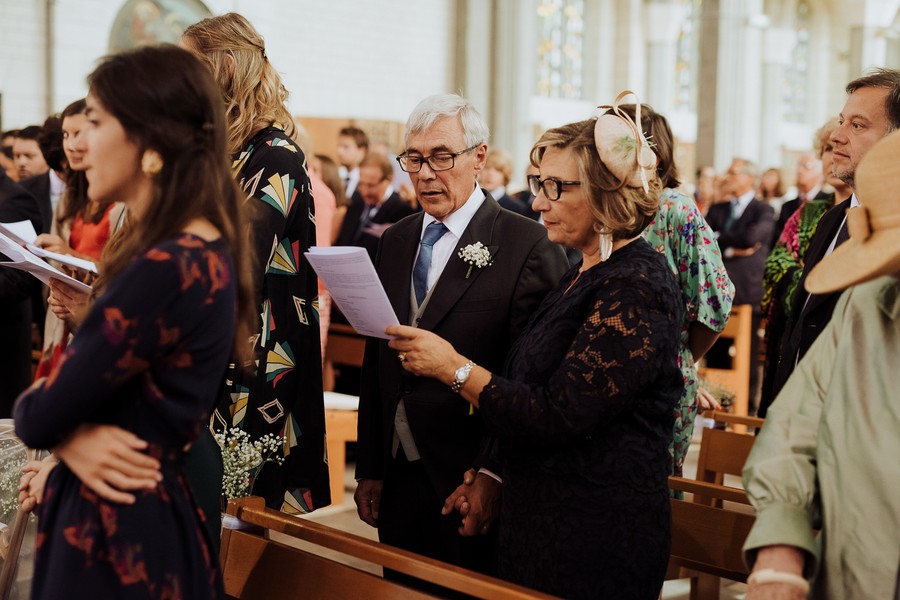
{"x":583,"y":413}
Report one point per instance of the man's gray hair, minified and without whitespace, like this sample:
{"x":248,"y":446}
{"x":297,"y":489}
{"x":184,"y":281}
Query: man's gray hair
{"x":749,"y":167}
{"x":439,"y":106}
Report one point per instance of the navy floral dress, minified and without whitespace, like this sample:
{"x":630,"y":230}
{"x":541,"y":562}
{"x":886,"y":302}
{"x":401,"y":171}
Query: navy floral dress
{"x":149,"y":357}
{"x":584,"y":420}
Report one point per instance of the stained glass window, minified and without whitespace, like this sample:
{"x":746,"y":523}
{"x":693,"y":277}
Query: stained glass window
{"x":687,"y":59}
{"x":796,"y":74}
{"x":560,"y":67}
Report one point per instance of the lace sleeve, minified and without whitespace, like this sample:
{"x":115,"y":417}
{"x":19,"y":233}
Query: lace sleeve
{"x":628,"y":333}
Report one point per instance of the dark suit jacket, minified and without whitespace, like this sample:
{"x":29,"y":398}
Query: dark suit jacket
{"x":392,"y":210}
{"x":479,"y":315}
{"x":808,"y":318}
{"x":39,"y":187}
{"x":788,"y":209}
{"x":754,"y":227}
{"x":509,"y":203}
{"x":16,"y":290}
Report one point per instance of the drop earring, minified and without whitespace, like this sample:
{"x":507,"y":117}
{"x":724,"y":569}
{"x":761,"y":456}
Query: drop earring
{"x":606,"y":245}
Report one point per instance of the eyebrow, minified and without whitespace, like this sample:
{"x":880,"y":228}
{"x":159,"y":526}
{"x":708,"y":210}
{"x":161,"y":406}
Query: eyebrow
{"x":433,"y":150}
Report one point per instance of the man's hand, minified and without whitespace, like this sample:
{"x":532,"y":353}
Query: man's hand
{"x":477,"y":500}
{"x":110,"y":461}
{"x":368,"y":500}
{"x":784,"y":559}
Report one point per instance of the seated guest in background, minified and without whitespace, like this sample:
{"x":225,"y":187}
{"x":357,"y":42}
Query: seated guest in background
{"x":7,"y":163}
{"x":375,"y":207}
{"x":282,"y":393}
{"x":495,"y":177}
{"x":785,"y":263}
{"x":352,"y":147}
{"x":872,"y":111}
{"x":417,"y":437}
{"x":681,"y":233}
{"x":27,"y":153}
{"x":826,"y":458}
{"x":327,"y":171}
{"x":706,"y":192}
{"x":81,"y":228}
{"x":771,"y":188}
{"x":809,"y":187}
{"x":743,"y":229}
{"x":584,"y":408}
{"x":526,"y":198}
{"x":16,"y":291}
{"x":150,"y":355}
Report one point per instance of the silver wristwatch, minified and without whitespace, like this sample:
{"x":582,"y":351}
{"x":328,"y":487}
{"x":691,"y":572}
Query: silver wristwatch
{"x":461,"y":376}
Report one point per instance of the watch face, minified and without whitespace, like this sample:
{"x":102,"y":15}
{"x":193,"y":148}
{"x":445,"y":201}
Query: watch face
{"x":461,"y":373}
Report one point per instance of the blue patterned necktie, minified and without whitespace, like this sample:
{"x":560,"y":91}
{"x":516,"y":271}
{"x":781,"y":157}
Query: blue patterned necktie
{"x":732,"y":217}
{"x":420,"y":272}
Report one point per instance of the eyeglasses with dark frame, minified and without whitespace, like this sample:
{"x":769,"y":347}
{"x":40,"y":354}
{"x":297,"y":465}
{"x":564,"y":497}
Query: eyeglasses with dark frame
{"x":551,"y":186}
{"x":439,"y":161}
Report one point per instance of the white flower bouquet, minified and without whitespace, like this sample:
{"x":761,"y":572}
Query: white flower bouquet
{"x":244,"y":458}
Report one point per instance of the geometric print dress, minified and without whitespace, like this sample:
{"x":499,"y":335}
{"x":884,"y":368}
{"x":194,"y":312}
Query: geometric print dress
{"x":149,"y":358}
{"x":280,"y":390}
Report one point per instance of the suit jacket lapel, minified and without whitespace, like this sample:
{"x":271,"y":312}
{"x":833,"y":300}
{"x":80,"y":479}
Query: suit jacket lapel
{"x":453,"y":282}
{"x":401,"y":252}
{"x":827,"y":229}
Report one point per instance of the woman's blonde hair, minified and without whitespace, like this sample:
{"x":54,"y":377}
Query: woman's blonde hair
{"x":251,"y":87}
{"x":622,"y":210}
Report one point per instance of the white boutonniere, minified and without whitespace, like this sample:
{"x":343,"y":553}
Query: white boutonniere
{"x":476,"y":255}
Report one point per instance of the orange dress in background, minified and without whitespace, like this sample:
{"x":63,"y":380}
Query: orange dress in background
{"x":84,"y":238}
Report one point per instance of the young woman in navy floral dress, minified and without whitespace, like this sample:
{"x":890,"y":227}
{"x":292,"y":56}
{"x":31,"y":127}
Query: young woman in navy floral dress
{"x":150,"y":354}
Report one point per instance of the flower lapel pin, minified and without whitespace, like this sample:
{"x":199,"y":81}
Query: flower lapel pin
{"x":475,"y":255}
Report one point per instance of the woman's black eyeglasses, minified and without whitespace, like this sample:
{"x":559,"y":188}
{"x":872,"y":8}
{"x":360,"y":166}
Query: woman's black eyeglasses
{"x":551,"y":186}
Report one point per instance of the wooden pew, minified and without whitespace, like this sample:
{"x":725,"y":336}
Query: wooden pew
{"x":254,"y":566}
{"x":739,"y":330}
{"x":341,"y":413}
{"x":724,"y":452}
{"x":706,"y":539}
{"x":344,"y":347}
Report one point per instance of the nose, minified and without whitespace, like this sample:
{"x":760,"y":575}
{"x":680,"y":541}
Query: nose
{"x":541,"y":203}
{"x":423,"y":174}
{"x":78,"y":142}
{"x":838,"y":135}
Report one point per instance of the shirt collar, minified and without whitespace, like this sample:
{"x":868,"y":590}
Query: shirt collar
{"x":854,"y":201}
{"x":459,"y":219}
{"x":745,"y":199}
{"x":57,"y":185}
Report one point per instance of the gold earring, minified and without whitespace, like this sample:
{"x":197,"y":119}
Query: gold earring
{"x":151,"y":163}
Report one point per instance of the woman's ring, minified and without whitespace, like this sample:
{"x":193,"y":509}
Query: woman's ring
{"x":402,"y":356}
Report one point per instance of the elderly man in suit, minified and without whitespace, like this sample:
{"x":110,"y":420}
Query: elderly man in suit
{"x":16,"y":290}
{"x":375,"y":206}
{"x":417,"y":436}
{"x":871,"y":112}
{"x":743,"y":228}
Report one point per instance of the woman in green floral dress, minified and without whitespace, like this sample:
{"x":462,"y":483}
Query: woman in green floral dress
{"x":681,"y":233}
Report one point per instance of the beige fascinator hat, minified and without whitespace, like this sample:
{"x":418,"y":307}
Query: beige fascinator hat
{"x":622,"y":146}
{"x":874,"y":245}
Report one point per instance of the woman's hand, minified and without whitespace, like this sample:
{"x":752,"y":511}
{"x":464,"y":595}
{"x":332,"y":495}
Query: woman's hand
{"x":54,"y":243}
{"x":424,"y":353}
{"x":33,"y":481}
{"x":108,"y":460}
{"x":67,"y":303}
{"x":706,"y":401}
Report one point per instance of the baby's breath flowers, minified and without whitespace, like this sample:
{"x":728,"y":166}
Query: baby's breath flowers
{"x":476,"y":255}
{"x":244,"y":458}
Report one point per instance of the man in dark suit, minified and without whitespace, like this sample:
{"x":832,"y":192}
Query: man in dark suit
{"x":417,"y":437}
{"x":16,"y":290}
{"x":871,"y":112}
{"x":743,"y":229}
{"x":375,"y":205}
{"x":809,"y":187}
{"x":47,"y":186}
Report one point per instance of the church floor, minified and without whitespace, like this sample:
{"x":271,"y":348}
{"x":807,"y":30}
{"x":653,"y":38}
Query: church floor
{"x":344,"y":517}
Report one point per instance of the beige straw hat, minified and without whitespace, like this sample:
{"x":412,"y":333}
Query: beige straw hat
{"x":874,"y":245}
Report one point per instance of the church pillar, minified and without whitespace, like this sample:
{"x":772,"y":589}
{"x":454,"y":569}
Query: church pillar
{"x":663,"y":24}
{"x":778,"y":43}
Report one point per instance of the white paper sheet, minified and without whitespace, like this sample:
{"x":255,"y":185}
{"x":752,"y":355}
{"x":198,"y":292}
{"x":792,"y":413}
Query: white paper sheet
{"x":23,"y":260}
{"x":21,"y":232}
{"x":78,"y":263}
{"x":350,"y":277}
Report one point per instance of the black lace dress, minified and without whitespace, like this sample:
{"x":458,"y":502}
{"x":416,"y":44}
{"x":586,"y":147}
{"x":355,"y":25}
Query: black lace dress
{"x":584,"y":421}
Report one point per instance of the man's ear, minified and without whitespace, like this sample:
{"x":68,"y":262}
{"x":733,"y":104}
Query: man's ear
{"x":480,"y":157}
